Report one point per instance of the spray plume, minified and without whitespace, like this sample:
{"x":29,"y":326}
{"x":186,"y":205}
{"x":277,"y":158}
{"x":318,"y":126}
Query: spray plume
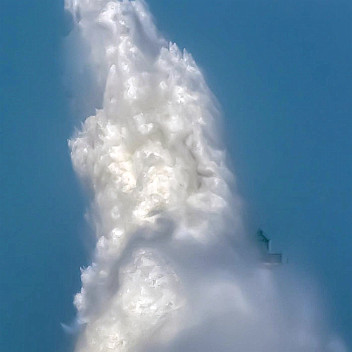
{"x":172,"y":270}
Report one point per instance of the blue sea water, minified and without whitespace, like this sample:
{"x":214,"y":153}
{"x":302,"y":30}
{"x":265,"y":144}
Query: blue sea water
{"x":41,"y":206}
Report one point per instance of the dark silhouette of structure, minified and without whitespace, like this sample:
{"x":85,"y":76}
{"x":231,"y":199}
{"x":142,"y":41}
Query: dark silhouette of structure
{"x":266,"y":256}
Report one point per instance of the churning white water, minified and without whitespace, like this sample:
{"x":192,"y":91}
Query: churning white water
{"x":172,"y":270}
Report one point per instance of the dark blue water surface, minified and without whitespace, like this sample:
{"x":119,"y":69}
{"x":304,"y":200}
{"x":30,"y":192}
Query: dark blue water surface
{"x":41,"y":207}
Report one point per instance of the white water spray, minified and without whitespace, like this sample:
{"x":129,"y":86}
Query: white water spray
{"x":169,"y":272}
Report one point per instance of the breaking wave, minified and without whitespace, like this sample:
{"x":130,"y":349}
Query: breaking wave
{"x":172,"y":269}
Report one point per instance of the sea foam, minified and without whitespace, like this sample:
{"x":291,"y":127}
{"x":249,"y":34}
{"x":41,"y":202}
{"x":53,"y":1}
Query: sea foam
{"x":172,"y":269}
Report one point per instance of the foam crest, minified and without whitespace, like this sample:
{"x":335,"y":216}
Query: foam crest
{"x":170,"y":260}
{"x":146,"y":158}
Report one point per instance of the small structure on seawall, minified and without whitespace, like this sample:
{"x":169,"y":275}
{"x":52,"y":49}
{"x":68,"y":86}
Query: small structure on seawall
{"x":266,"y":256}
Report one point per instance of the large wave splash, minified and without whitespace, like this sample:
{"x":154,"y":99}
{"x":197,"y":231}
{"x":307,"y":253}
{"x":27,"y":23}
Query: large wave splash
{"x":170,"y":270}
